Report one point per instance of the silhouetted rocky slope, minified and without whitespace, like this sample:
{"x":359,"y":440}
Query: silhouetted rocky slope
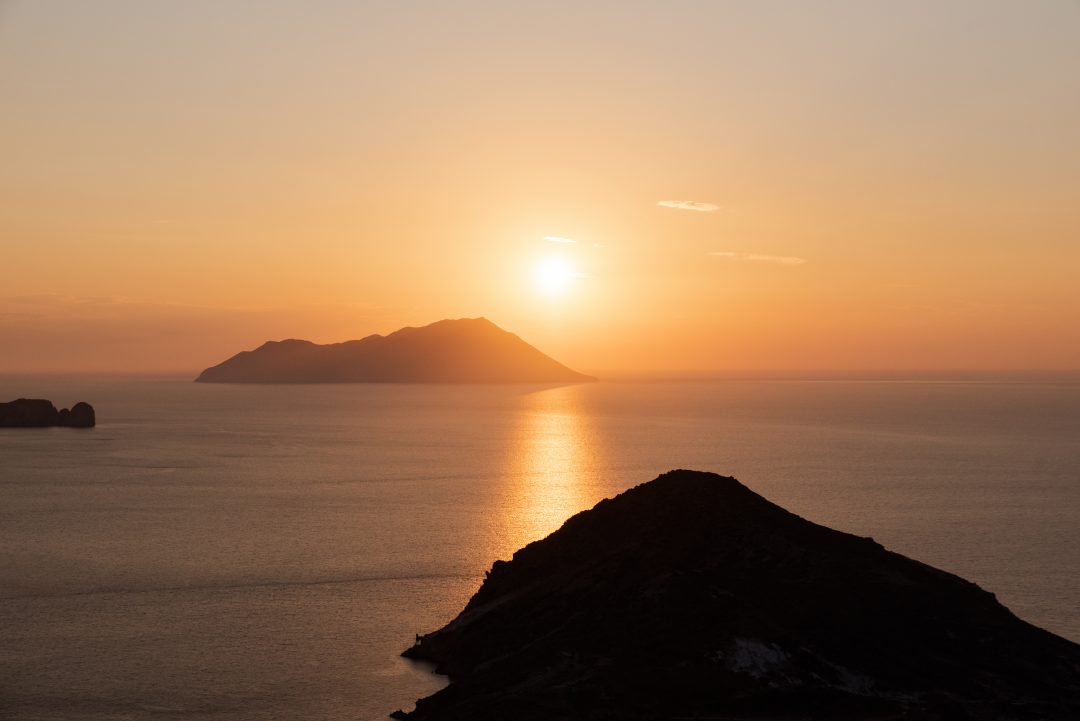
{"x":39,"y":413}
{"x":692,"y":597}
{"x":468,"y":350}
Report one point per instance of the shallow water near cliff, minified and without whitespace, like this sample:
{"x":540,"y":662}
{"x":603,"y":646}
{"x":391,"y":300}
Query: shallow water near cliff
{"x":265,"y":552}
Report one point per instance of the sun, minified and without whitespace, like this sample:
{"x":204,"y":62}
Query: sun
{"x":554,"y":276}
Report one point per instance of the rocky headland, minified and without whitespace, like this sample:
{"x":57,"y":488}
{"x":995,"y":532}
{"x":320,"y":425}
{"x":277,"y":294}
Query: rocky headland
{"x":467,"y":350}
{"x":40,"y":413}
{"x":692,"y":597}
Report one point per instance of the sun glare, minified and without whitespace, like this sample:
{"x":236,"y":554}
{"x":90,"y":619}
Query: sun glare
{"x":554,"y":276}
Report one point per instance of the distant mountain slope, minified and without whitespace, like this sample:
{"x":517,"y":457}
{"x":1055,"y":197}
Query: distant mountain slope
{"x":691,"y":597}
{"x":468,"y":350}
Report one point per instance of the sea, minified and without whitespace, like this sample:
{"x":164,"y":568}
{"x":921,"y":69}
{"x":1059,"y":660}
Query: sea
{"x":253,"y":552}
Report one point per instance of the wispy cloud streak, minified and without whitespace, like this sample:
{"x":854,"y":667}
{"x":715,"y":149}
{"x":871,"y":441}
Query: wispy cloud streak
{"x":756,"y":258}
{"x":689,"y":205}
{"x":557,"y":239}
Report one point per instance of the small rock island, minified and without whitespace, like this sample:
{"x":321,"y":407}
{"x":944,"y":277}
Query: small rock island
{"x":40,"y":413}
{"x":692,"y":597}
{"x":466,"y":350}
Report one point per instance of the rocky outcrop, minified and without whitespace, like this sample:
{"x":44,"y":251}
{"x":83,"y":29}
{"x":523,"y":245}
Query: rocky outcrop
{"x":468,"y":350}
{"x":692,"y":597}
{"x":39,"y":413}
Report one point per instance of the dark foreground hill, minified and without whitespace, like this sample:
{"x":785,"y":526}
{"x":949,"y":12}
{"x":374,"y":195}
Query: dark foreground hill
{"x":40,"y":413}
{"x":691,"y":597}
{"x":469,"y":350}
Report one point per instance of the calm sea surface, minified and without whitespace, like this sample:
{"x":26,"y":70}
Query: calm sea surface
{"x":265,"y":552}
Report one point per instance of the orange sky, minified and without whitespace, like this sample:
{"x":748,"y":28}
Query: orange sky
{"x":877,"y":186}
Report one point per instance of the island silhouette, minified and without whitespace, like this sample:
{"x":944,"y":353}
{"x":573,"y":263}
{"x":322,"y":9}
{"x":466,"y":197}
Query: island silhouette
{"x":692,"y":597}
{"x":465,"y":350}
{"x":41,"y":413}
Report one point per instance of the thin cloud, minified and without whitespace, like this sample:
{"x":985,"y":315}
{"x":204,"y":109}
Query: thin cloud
{"x":757,"y":258}
{"x":557,"y":239}
{"x":689,"y":205}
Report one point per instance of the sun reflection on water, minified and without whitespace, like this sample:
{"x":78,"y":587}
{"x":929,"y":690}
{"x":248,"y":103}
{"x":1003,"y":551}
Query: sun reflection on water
{"x":553,"y":456}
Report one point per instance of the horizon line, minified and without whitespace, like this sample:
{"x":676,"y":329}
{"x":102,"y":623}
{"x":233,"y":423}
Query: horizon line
{"x":702,"y":375}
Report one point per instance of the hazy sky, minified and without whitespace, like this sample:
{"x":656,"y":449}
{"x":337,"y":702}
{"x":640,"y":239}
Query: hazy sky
{"x":750,"y":185}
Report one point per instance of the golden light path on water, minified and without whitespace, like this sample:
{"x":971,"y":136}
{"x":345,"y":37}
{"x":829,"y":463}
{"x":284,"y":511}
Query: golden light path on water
{"x":554,"y":453}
